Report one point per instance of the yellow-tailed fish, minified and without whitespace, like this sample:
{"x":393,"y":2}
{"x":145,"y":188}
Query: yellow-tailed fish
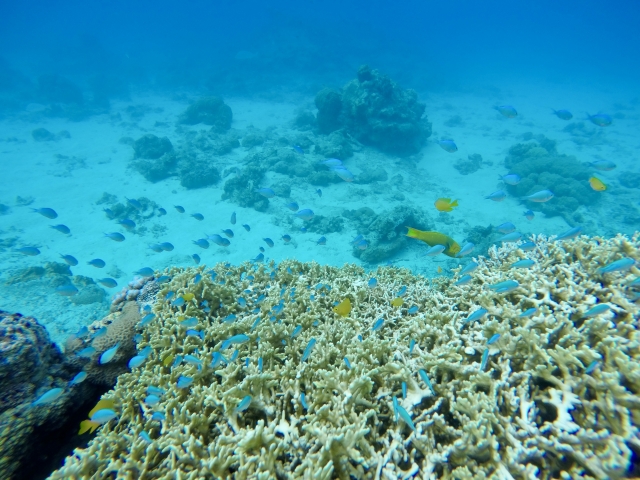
{"x":343,"y":308}
{"x":87,"y":426}
{"x":397,"y":302}
{"x":187,"y":297}
{"x":167,"y":360}
{"x":445,"y":204}
{"x":597,"y":184}
{"x":436,"y":238}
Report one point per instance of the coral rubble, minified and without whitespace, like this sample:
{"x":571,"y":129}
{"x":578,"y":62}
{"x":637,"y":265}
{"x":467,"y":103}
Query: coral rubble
{"x":253,"y":373}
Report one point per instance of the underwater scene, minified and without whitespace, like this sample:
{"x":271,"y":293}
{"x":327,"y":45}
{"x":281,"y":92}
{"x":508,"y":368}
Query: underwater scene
{"x":319,"y":240}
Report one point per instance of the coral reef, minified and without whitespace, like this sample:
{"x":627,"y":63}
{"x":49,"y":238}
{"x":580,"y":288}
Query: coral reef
{"x":197,"y":173}
{"x":241,"y":187}
{"x":210,"y":111}
{"x":297,"y":390}
{"x":377,"y":112}
{"x":541,"y":167}
{"x":472,"y":164}
{"x":154,"y":157}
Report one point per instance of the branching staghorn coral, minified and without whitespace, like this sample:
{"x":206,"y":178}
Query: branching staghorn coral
{"x":541,"y":385}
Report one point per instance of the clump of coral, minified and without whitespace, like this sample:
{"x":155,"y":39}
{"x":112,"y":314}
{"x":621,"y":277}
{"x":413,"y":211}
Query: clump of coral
{"x":541,"y":167}
{"x":210,"y":111}
{"x":377,"y":112}
{"x":262,"y":375}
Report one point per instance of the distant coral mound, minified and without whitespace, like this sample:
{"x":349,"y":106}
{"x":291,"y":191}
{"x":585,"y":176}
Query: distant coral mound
{"x":210,"y":111}
{"x":377,"y":112}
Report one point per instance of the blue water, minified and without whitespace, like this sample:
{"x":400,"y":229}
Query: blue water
{"x":81,"y":82}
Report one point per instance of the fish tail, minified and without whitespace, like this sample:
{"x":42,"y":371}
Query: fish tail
{"x":413,"y":233}
{"x":454,"y":203}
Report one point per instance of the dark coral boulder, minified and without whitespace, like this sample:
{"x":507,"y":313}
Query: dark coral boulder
{"x":377,"y":112}
{"x":210,"y":111}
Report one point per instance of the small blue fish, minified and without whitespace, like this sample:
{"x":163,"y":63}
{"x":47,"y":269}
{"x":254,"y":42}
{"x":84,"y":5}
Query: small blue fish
{"x":308,"y":349}
{"x":331,"y":162}
{"x":202,"y":243}
{"x":529,"y":214}
{"x":527,"y":246}
{"x":413,"y":309}
{"x":485,"y":359}
{"x":146,"y":351}
{"x":296,"y":331}
{"x":28,"y":251}
{"x":158,"y":417}
{"x":234,"y":355}
{"x":372,"y":283}
{"x":109,"y":213}
{"x":103,"y":416}
{"x":298,"y":149}
{"x":571,"y":233}
{"x":303,"y":401}
{"x":197,"y":279}
{"x":50,"y":213}
{"x":525,"y":263}
{"x":145,"y":272}
{"x":217,"y":358}
{"x":179,"y":208}
{"x":107,"y":282}
{"x":268,"y":241}
{"x":406,"y":417}
{"x":266,"y":192}
{"x":497,"y":196}
{"x":303,"y":229}
{"x":592,"y":367}
{"x":402,"y":291}
{"x":477,"y":315}
{"x":395,"y":408}
{"x":97,"y":262}
{"x":136,"y":361}
{"x":169,"y":295}
{"x":190,"y":359}
{"x":82,"y":332}
{"x":597,"y":310}
{"x":189,"y":322}
{"x":108,"y":355}
{"x":506,"y":111}
{"x":152,"y":400}
{"x":184,"y":382}
{"x":235,"y":340}
{"x":293,"y":206}
{"x":563,"y":114}
{"x":162,"y":211}
{"x":506,"y":227}
{"x":62,"y":229}
{"x":67,"y":290}
{"x":86,"y":352}
{"x":134,"y":203}
{"x":412,"y":345}
{"x":166,"y":246}
{"x":260,"y":364}
{"x":469,"y":267}
{"x":435,"y":250}
{"x":343,"y":173}
{"x":404,"y":389}
{"x":322,"y":241}
{"x":510,"y":237}
{"x":463,"y":280}
{"x":145,"y":436}
{"x":70,"y":260}
{"x":362,"y":244}
{"x":603,"y":165}
{"x":466,"y":249}
{"x":228,"y":232}
{"x":101,"y":332}
{"x":306,"y":214}
{"x":244,"y":404}
{"x":541,"y":196}
{"x":218,"y":240}
{"x":510,"y":178}
{"x":504,"y":287}
{"x":233,"y":218}
{"x":198,"y":216}
{"x":494,"y":338}
{"x":600,"y":119}
{"x":448,"y":145}
{"x":49,"y":396}
{"x":177,"y":361}
{"x":259,"y":257}
{"x":79,"y":378}
{"x":347,"y":363}
{"x":156,"y":247}
{"x":618,"y":266}
{"x":319,"y":192}
{"x":286,"y":238}
{"x":196,"y":257}
{"x":230,"y":318}
{"x":196,"y":333}
{"x":127,"y":223}
{"x":378,"y":325}
{"x":529,"y":312}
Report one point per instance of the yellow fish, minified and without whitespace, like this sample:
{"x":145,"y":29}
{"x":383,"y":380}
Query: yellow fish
{"x":167,"y":360}
{"x":597,"y":184}
{"x":451,"y":248}
{"x":87,"y":426}
{"x":187,"y":297}
{"x":439,"y":269}
{"x":397,"y":302}
{"x":445,"y":204}
{"x":343,"y":308}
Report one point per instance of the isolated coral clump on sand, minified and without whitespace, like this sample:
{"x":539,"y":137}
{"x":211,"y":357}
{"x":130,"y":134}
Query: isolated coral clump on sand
{"x":299,"y":370}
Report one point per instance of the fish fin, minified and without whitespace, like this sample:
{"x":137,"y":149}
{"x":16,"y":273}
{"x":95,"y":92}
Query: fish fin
{"x":454,"y":203}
